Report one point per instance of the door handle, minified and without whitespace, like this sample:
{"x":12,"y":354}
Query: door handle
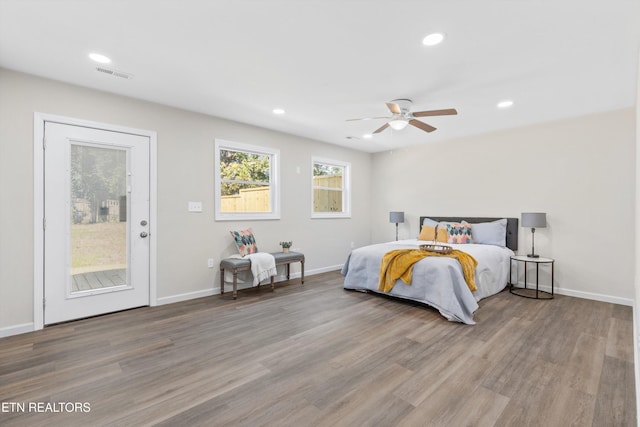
{"x":144,"y":234}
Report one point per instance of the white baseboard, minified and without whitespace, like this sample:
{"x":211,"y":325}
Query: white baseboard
{"x":185,"y":297}
{"x":215,"y":289}
{"x":584,"y":295}
{"x":594,"y":296}
{"x":16,"y":330}
{"x":319,"y":270}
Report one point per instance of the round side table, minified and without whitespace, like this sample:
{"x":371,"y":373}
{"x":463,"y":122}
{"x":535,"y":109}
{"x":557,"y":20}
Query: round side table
{"x":530,"y":292}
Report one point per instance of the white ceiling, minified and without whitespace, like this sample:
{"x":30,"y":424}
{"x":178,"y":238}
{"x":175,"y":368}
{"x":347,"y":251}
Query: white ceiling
{"x":325,"y":61}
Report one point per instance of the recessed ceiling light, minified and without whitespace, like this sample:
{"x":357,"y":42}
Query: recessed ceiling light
{"x":505,"y":104}
{"x":367,"y":136}
{"x":278,"y":111}
{"x":99,"y":58}
{"x":433,"y":39}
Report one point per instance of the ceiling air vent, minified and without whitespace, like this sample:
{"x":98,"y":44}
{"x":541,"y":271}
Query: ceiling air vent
{"x":115,"y":73}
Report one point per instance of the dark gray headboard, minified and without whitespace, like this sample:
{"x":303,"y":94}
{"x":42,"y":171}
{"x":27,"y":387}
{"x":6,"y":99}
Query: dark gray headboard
{"x":512,"y":226}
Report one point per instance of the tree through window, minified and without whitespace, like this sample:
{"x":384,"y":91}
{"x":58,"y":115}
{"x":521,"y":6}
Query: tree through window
{"x":245,"y":181}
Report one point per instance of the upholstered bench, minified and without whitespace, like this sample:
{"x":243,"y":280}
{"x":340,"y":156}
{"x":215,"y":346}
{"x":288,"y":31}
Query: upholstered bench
{"x":243,"y":264}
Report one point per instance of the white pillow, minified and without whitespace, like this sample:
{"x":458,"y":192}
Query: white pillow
{"x":490,"y":233}
{"x":429,"y":222}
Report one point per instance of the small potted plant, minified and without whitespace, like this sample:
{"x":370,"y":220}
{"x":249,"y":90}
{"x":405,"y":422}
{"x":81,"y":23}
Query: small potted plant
{"x":286,"y":246}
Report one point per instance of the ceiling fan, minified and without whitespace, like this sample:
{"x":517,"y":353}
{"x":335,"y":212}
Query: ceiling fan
{"x":402,"y":116}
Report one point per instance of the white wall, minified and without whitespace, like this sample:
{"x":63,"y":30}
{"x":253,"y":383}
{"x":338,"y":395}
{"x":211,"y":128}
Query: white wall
{"x":185,"y":173}
{"x":580,"y":172}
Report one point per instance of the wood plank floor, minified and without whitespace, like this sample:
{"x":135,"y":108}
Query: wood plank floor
{"x":317,"y":355}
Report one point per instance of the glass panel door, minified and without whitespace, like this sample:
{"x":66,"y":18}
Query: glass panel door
{"x":96,"y":234}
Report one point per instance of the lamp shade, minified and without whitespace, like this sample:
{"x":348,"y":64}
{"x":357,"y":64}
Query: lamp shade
{"x":396,"y":217}
{"x":533,"y":219}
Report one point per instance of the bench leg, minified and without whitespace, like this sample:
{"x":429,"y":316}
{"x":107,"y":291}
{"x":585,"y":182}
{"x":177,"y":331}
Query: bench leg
{"x":235,"y":284}
{"x":221,"y":281}
{"x":302,"y":271}
{"x":272,"y":283}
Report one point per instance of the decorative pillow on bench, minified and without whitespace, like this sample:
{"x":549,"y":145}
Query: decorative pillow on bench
{"x":245,"y":241}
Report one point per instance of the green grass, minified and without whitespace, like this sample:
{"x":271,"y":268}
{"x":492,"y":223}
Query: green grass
{"x":98,"y":245}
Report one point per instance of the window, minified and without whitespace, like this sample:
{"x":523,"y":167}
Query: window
{"x":330,"y":185}
{"x":246,"y":181}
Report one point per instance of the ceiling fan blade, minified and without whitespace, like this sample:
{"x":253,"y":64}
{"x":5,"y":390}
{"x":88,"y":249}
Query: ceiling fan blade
{"x":425,"y":127}
{"x":381,"y":128}
{"x":368,"y":118}
{"x":394,"y":108}
{"x":447,"y":112}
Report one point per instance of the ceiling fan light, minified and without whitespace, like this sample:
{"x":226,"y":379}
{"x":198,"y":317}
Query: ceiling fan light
{"x":398,"y":124}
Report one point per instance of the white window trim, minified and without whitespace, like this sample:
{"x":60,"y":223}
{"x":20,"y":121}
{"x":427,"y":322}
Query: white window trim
{"x":346,"y":189}
{"x":274,"y":182}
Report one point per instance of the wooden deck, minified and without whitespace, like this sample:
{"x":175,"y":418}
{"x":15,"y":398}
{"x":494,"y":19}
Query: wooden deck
{"x":317,"y":355}
{"x":99,"y":279}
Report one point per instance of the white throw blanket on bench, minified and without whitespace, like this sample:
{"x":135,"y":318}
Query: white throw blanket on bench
{"x":263,"y":266}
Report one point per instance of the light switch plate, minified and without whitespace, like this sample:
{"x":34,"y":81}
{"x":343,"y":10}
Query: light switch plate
{"x":195,"y":207}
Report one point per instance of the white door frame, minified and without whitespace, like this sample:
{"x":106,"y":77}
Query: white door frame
{"x":39,"y":120}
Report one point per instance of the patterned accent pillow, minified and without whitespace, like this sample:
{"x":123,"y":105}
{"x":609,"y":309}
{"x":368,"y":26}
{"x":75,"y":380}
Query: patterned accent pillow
{"x":459,"y":232}
{"x":245,"y":241}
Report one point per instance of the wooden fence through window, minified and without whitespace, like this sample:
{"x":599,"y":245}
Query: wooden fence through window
{"x":327,"y":197}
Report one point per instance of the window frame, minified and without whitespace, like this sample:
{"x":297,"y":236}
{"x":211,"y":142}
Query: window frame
{"x":274,"y":181}
{"x":346,"y":188}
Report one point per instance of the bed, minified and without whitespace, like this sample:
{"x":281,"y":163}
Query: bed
{"x":439,"y":281}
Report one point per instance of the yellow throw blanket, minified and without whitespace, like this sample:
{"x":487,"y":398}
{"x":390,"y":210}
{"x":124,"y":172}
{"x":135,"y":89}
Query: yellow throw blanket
{"x":398,"y":264}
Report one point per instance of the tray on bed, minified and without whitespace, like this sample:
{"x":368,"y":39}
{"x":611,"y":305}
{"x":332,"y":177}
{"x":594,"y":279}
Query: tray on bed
{"x":441,"y":249}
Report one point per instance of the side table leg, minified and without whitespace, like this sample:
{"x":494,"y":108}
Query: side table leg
{"x":537,"y":277}
{"x":510,"y":274}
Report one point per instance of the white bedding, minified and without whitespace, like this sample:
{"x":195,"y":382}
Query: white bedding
{"x":437,"y":281}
